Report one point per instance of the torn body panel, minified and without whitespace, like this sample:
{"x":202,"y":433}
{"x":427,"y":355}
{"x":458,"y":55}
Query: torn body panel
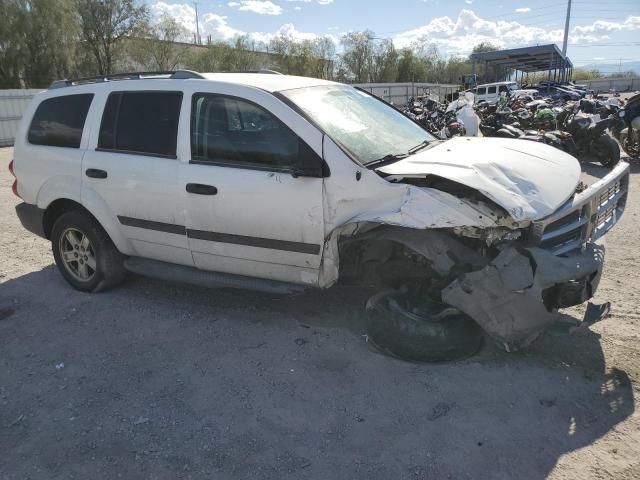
{"x":516,"y":296}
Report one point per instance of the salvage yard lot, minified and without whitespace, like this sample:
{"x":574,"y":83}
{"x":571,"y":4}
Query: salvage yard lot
{"x":160,"y":380}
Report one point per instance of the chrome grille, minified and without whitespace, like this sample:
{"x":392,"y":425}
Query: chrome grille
{"x":587,"y":216}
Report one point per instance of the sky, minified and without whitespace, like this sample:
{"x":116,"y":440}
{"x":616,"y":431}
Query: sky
{"x":601,"y":32}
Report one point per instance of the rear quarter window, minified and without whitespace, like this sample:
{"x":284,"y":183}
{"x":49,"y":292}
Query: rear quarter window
{"x":59,"y":121}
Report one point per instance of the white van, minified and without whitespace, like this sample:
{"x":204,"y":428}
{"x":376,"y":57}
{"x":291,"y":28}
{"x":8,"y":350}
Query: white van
{"x":490,"y":92}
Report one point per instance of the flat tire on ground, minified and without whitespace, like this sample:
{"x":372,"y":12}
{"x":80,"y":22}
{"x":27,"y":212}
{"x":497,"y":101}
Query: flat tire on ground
{"x":396,"y":331}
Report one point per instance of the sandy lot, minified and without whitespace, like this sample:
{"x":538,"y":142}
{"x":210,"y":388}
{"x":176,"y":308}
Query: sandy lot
{"x":157,"y":380}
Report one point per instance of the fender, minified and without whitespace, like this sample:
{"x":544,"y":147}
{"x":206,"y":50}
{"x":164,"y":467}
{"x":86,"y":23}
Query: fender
{"x":96,"y":205}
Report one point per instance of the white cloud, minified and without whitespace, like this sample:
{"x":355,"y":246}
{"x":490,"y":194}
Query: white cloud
{"x":523,"y":10}
{"x":603,"y":26}
{"x":185,"y":15}
{"x":468,"y":2}
{"x":319,"y":2}
{"x":263,"y":7}
{"x":459,"y":36}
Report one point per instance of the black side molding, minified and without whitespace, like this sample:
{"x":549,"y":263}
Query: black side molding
{"x":151,"y":225}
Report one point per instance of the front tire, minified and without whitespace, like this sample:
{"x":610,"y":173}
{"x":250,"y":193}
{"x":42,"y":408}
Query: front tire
{"x":434,"y":336}
{"x":607,"y":151}
{"x":85,"y":255}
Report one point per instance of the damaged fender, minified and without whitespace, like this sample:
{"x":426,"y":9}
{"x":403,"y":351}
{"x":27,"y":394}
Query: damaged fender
{"x":506,"y":297}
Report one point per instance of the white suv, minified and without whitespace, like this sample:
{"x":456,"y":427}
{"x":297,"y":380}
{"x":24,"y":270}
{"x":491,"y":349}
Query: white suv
{"x":281,"y":183}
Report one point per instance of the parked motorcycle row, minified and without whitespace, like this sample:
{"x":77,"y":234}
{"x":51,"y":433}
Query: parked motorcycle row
{"x":584,"y":127}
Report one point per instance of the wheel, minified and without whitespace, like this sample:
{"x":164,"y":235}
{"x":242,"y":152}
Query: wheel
{"x":84,"y":253}
{"x":607,"y":150}
{"x":441,"y":334}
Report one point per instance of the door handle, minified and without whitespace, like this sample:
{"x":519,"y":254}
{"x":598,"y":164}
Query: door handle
{"x":200,"y":189}
{"x":95,"y":173}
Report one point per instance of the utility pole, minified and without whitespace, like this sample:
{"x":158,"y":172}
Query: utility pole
{"x":195,"y":4}
{"x":566,"y":29}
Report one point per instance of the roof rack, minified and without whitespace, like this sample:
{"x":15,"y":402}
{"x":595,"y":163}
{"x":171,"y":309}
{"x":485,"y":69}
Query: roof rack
{"x":173,"y":74}
{"x":262,"y":70}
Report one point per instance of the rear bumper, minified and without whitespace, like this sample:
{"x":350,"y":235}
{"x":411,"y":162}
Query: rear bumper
{"x":31,"y":218}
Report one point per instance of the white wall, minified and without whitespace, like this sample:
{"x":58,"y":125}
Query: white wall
{"x":603,"y":85}
{"x":399,"y":93}
{"x":12,"y":104}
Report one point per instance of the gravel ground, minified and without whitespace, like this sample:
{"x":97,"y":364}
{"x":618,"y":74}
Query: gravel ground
{"x":158,"y":380}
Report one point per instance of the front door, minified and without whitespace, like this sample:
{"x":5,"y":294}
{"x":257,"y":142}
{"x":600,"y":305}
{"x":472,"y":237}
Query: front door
{"x":246,"y":213}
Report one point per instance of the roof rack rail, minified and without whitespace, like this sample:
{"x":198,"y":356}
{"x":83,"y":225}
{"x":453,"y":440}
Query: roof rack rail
{"x":262,"y":70}
{"x":172,"y":74}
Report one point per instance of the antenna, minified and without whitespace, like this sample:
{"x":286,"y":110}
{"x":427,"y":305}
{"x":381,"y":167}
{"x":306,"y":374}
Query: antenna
{"x":195,"y":4}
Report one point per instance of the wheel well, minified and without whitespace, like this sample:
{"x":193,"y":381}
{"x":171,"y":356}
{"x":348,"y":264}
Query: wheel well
{"x":56,"y":209}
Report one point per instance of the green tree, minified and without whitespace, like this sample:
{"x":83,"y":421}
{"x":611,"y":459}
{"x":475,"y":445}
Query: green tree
{"x":105,"y":24}
{"x":37,"y":41}
{"x":161,"y":48}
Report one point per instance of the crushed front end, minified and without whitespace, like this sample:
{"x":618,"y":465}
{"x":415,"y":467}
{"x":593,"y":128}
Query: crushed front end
{"x":557,"y":264}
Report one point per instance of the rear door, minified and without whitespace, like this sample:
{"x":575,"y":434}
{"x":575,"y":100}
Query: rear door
{"x":133,"y":169}
{"x":246,"y":212}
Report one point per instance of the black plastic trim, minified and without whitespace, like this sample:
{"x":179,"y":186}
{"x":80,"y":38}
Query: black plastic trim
{"x":260,"y":242}
{"x":31,"y":218}
{"x":151,"y":225}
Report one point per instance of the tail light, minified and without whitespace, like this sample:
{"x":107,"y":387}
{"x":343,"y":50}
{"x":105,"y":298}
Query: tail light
{"x":14,"y":187}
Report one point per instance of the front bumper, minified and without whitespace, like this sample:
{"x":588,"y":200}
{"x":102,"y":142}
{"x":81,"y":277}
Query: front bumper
{"x":516,"y":296}
{"x":31,"y":218}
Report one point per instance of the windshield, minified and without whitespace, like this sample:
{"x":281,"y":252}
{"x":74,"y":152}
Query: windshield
{"x":512,"y":86}
{"x":366,"y":127}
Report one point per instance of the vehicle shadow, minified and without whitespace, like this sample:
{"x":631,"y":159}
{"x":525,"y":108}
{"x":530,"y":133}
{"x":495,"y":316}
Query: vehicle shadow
{"x":157,"y":380}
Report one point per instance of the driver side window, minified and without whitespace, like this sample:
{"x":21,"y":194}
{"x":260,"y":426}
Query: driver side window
{"x":231,"y":131}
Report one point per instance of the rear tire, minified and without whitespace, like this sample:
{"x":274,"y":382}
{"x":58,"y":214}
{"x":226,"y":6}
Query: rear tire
{"x":403,"y":334}
{"x":85,"y":255}
{"x":607,"y":150}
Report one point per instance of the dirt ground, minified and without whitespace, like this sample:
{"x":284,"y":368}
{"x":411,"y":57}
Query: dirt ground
{"x":162,"y":381}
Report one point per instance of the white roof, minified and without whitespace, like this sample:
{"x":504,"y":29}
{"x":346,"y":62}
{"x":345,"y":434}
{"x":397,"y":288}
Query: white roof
{"x":267,"y":81}
{"x":496,"y":83}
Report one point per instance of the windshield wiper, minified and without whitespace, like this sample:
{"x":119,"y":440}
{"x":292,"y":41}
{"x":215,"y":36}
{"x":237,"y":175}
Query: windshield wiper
{"x":386,"y":160}
{"x":420,"y":146}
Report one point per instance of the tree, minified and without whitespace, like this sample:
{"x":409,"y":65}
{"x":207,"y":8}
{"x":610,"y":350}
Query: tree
{"x":384,"y":62}
{"x":357,"y":54}
{"x":37,"y":41}
{"x":161,"y":48}
{"x":105,"y":23}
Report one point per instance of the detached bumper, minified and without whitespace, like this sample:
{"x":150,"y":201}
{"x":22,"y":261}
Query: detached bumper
{"x":517,"y":295}
{"x":31,"y":218}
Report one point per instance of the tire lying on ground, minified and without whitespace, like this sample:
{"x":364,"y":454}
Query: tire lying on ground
{"x":434,"y":336}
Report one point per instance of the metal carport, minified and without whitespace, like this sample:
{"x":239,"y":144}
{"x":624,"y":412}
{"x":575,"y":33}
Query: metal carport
{"x":528,"y":60}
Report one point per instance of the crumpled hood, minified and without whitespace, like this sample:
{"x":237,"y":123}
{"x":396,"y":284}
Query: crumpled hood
{"x":530,"y":180}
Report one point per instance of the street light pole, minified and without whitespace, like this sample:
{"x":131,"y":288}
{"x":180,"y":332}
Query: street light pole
{"x":566,"y":29}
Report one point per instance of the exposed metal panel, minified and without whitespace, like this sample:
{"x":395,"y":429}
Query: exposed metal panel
{"x":12,"y":104}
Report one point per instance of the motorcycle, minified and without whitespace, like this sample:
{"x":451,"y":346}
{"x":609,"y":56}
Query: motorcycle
{"x":589,"y":133}
{"x":626,"y":128}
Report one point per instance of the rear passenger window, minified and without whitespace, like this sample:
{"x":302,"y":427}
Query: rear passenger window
{"x":491,"y":90}
{"x":59,"y":121}
{"x":227,"y":130}
{"x":141,"y":122}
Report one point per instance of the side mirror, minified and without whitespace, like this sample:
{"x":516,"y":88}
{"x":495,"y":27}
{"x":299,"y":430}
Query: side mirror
{"x":309,"y":163}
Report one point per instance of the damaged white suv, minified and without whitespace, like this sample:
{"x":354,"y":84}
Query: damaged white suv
{"x":281,"y":183}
